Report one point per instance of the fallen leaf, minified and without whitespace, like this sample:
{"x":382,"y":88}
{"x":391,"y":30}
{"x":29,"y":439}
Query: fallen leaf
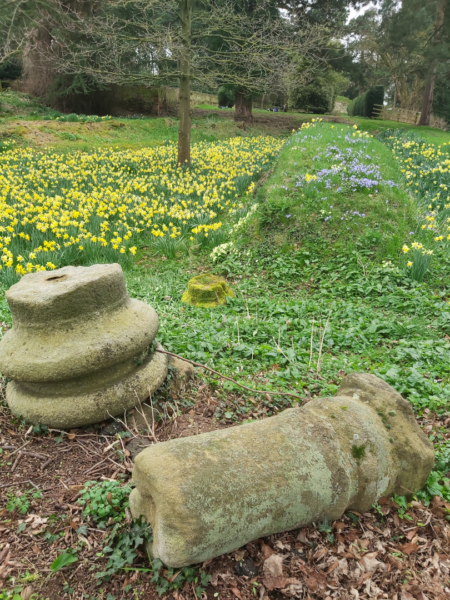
{"x":236,"y":592}
{"x":372,"y":590}
{"x":38,"y":522}
{"x":320,"y":553}
{"x":342,"y":568}
{"x":311,"y":583}
{"x":266,"y":550}
{"x":332,"y":567}
{"x":409,"y":548}
{"x":84,"y":539}
{"x":76,"y":488}
{"x":26,"y":593}
{"x":272,"y":583}
{"x":281,"y":546}
{"x":3,"y":572}
{"x":302,"y":538}
{"x":125,"y":583}
{"x":175,"y":575}
{"x":369,"y":563}
{"x":410,"y":534}
{"x":273,"y":566}
{"x":294,"y":588}
{"x":239,"y":555}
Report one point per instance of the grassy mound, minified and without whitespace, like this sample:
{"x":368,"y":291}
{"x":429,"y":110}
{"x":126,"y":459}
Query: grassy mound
{"x":15,"y":103}
{"x":336,"y":190}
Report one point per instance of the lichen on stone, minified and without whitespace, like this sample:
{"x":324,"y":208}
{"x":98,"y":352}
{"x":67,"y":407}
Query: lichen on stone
{"x":207,"y":291}
{"x":227,"y":487}
{"x":80,"y":349}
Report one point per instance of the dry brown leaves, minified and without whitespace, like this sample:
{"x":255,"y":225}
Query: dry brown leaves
{"x":363,"y":556}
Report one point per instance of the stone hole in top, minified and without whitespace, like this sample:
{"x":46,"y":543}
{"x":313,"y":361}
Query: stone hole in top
{"x":56,"y":278}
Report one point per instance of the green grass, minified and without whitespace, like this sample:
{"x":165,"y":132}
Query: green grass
{"x":124,"y":133}
{"x":25,"y":120}
{"x":374,"y":126}
{"x":315,"y":298}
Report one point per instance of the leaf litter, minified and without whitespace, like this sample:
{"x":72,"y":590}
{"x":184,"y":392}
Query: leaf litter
{"x":388,"y":552}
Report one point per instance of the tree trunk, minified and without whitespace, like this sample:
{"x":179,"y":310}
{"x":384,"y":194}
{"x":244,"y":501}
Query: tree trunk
{"x":163,"y":106}
{"x":428,"y":94}
{"x":37,"y":76}
{"x":184,"y":133}
{"x":243,"y":105}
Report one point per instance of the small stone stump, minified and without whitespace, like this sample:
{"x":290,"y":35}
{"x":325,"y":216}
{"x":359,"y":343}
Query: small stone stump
{"x":207,"y":291}
{"x":80,"y":349}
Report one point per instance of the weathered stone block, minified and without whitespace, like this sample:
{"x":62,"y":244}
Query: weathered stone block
{"x":209,"y":494}
{"x":80,"y":349}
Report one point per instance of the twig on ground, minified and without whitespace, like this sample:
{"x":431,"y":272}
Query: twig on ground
{"x":47,"y":462}
{"x":229,"y":378}
{"x":80,"y":445}
{"x":79,"y":435}
{"x":110,"y":447}
{"x":34,"y":454}
{"x":16,"y":462}
{"x":151,"y":429}
{"x":18,"y":449}
{"x":122,"y":467}
{"x":18,"y":483}
{"x":93,"y":468}
{"x":124,"y":424}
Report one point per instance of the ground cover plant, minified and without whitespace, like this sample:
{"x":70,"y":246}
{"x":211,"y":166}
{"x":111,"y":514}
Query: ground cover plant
{"x":323,"y":288}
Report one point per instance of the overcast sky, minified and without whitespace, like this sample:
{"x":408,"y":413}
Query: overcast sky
{"x":354,"y":13}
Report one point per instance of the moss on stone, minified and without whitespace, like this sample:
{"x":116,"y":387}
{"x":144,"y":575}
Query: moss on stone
{"x":207,"y":291}
{"x":358,"y":451}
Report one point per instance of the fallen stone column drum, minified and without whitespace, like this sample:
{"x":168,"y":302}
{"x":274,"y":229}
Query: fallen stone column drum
{"x":80,"y":349}
{"x":212,"y":493}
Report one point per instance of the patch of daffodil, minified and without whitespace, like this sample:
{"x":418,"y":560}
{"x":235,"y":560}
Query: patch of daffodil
{"x":426,"y":169}
{"x":58,"y":209}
